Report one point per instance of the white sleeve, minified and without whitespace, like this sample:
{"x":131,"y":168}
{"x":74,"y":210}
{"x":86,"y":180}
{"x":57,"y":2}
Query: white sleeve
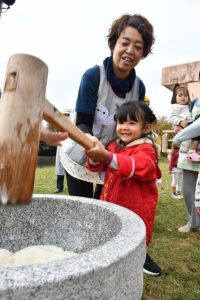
{"x":188,"y":133}
{"x":174,"y":115}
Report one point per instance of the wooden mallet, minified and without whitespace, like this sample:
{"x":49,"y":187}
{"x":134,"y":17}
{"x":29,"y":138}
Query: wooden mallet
{"x":23,"y":106}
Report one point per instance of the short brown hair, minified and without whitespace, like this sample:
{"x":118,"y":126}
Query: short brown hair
{"x":138,"y":22}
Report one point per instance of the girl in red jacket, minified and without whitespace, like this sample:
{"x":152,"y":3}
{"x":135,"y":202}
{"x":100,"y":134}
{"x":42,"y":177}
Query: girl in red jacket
{"x":130,"y":165}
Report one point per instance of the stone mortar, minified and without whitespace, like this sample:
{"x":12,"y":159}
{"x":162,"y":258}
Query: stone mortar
{"x":109,"y":239}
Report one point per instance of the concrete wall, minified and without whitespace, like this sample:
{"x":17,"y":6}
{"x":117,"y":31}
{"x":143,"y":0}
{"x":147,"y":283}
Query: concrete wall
{"x":187,"y":74}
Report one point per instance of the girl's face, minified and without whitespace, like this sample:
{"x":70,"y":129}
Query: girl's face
{"x":182,"y":97}
{"x":127,"y":52}
{"x":129,"y":131}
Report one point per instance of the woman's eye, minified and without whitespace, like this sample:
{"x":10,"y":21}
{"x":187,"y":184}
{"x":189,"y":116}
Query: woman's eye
{"x":138,"y":48}
{"x":125,"y":44}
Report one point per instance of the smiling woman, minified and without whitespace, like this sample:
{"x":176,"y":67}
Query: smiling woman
{"x":106,"y":87}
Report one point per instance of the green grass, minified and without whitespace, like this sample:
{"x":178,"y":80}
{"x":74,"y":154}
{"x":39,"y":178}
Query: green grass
{"x":45,"y":179}
{"x":178,"y":254}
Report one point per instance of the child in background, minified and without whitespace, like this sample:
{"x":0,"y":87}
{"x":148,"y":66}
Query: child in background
{"x":181,"y":117}
{"x":147,"y":100}
{"x":59,"y":169}
{"x":131,"y":168}
{"x":60,"y":172}
{"x":158,"y":142}
{"x":197,"y":195}
{"x":177,"y":174}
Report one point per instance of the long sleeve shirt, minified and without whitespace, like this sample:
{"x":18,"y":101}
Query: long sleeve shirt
{"x":178,"y":113}
{"x":192,"y":131}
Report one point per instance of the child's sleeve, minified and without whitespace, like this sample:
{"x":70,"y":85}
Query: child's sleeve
{"x":94,"y":168}
{"x":173,"y":116}
{"x":140,"y":165}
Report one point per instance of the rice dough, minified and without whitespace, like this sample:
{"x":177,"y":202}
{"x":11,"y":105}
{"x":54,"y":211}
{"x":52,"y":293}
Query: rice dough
{"x":32,"y":255}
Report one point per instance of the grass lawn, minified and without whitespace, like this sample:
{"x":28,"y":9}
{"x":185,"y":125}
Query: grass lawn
{"x":177,"y":253}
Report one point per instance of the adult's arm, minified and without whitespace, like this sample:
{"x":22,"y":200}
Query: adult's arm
{"x":188,"y":133}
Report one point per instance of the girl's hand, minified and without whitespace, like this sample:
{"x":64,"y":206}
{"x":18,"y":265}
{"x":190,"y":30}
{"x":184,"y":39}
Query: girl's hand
{"x":98,"y":152}
{"x":52,"y":138}
{"x":93,"y":163}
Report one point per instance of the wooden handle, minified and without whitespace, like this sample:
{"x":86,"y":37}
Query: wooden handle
{"x":21,"y":108}
{"x":59,"y":121}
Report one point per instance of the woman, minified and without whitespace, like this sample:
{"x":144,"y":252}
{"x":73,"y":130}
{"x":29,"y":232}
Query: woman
{"x":104,"y":88}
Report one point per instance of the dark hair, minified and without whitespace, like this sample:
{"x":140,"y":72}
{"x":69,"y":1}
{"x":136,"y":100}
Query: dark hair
{"x":137,"y":111}
{"x":177,"y":89}
{"x":8,"y":3}
{"x":138,"y":22}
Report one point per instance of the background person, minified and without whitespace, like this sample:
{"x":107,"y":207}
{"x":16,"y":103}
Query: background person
{"x":60,"y":173}
{"x":176,"y":174}
{"x":59,"y":169}
{"x":190,"y":174}
{"x":147,"y":100}
{"x":181,"y":117}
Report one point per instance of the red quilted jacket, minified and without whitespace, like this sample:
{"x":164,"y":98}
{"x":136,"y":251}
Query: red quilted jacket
{"x":133,"y":185}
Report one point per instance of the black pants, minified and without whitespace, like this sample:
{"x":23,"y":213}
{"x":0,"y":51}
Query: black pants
{"x":77,"y":187}
{"x":60,"y":182}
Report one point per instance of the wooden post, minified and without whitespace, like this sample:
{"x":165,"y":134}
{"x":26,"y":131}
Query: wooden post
{"x":21,"y":112}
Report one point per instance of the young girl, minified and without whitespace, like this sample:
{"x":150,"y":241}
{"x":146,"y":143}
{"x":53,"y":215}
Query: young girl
{"x":181,"y":117}
{"x":130,"y":165}
{"x":177,"y":174}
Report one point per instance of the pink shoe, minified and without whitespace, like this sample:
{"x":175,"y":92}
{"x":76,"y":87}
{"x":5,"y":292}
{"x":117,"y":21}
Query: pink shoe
{"x":194,"y":156}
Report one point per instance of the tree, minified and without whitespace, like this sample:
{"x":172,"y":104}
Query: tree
{"x":162,"y":124}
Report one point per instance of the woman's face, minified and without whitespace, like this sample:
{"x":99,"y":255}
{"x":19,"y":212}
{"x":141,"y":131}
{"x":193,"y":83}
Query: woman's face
{"x":127,"y":52}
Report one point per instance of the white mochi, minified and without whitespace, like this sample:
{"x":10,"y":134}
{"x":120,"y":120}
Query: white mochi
{"x":5,"y":257}
{"x":33,"y":255}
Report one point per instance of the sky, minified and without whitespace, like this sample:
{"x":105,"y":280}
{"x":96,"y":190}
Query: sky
{"x":70,"y":37}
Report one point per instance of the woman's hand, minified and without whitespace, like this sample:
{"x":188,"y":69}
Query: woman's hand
{"x":52,"y":138}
